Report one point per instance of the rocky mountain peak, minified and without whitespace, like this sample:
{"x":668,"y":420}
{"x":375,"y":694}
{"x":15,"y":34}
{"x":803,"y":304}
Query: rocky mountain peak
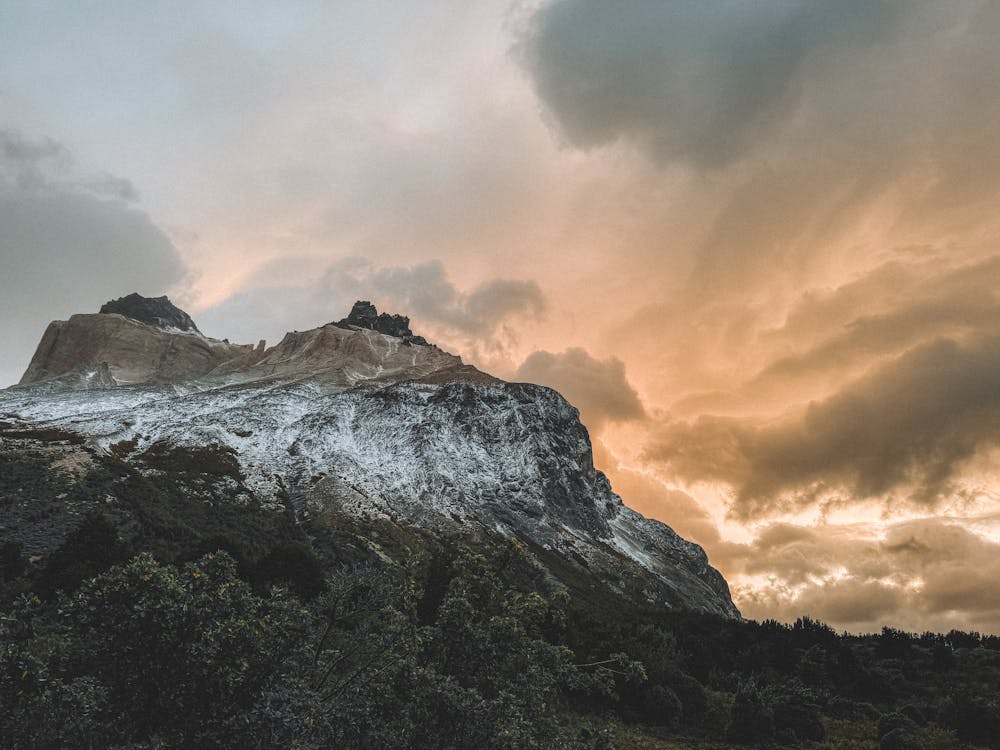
{"x":364,"y":315}
{"x":159,"y":312}
{"x":352,"y":422}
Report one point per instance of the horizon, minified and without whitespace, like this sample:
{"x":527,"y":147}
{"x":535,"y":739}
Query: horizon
{"x":754,"y":244}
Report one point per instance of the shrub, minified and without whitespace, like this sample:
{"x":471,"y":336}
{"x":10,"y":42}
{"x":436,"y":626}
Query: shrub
{"x":90,"y":549}
{"x":750,"y":721}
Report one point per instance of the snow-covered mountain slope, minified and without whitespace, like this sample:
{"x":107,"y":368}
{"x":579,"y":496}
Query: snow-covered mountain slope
{"x":350,"y":421}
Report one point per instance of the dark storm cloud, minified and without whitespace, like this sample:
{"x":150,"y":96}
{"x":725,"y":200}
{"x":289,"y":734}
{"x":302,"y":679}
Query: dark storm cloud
{"x":598,"y":388}
{"x":905,"y":430}
{"x":690,"y":80}
{"x":66,"y":247}
{"x":834,"y":131}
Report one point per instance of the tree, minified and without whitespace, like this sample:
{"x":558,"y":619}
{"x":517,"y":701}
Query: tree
{"x":147,"y":651}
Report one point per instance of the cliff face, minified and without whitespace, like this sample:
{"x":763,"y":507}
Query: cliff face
{"x":132,"y":352}
{"x":347,"y":422}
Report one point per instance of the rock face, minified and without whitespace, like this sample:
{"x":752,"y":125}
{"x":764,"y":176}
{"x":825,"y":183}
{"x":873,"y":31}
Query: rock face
{"x":364,"y":315}
{"x":344,"y":421}
{"x":154,"y":311}
{"x":80,"y":348}
{"x":340,"y":357}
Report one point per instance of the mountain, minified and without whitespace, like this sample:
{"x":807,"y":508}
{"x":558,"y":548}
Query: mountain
{"x":356,"y":424}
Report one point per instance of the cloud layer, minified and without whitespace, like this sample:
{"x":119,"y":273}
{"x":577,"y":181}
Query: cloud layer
{"x":908,"y":428}
{"x":826,"y":313}
{"x":69,"y":241}
{"x":926,"y":573}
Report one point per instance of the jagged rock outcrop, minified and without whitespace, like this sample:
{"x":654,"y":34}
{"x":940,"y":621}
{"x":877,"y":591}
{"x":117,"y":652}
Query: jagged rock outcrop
{"x":364,"y":315}
{"x":344,"y":421}
{"x":154,"y":311}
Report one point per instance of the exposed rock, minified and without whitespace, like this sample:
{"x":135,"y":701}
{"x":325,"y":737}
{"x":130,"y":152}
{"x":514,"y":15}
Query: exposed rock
{"x":364,"y":315}
{"x":154,"y":311}
{"x":338,"y":357}
{"x":101,"y":350}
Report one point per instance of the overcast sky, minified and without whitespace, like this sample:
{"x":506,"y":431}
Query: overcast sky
{"x":755,"y":242}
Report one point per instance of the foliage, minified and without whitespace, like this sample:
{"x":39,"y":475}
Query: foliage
{"x":89,"y":549}
{"x":190,"y":656}
{"x":146,"y":651}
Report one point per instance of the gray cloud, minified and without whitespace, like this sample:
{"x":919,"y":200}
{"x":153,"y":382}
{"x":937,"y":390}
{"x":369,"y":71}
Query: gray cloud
{"x":696,"y":81}
{"x":906,"y":430}
{"x":67,"y":248}
{"x":598,"y":388}
{"x":425,"y":293}
{"x":422,"y":291}
{"x":27,"y":162}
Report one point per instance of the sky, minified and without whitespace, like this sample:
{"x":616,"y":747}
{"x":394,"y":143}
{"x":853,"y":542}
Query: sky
{"x":756,"y":243}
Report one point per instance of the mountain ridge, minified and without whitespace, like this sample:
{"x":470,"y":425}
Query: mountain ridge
{"x":350,"y":422}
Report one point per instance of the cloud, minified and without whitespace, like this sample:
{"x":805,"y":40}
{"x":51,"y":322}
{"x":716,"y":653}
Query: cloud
{"x":923,"y":573}
{"x":701,"y":82}
{"x":437,"y":308}
{"x":871,"y":319}
{"x":918,"y":574}
{"x":907,"y":429}
{"x":67,"y":247}
{"x":598,"y":388}
{"x":426,"y":293}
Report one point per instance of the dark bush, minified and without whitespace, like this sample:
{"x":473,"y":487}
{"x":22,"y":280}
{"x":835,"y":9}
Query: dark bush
{"x":87,"y":551}
{"x":893,"y":721}
{"x":974,"y":719}
{"x":13,"y":564}
{"x":294,"y":564}
{"x":660,"y":706}
{"x":691,"y":694}
{"x":750,"y":720}
{"x":900,"y":738}
{"x":799,"y":716}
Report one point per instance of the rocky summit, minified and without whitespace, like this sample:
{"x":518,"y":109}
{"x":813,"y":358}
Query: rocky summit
{"x":364,"y":315}
{"x":354,"y":424}
{"x":154,"y":311}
